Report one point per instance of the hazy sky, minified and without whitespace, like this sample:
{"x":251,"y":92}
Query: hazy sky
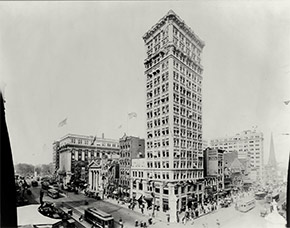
{"x":84,"y":61}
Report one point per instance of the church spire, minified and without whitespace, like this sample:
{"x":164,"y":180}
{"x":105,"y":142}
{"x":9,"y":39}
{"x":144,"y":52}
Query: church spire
{"x":272,"y":158}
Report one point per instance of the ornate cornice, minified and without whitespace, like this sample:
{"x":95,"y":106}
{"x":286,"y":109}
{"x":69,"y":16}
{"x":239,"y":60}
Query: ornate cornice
{"x":172,"y":15}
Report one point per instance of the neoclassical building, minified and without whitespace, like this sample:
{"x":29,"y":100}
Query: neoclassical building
{"x":73,"y":149}
{"x":103,"y":174}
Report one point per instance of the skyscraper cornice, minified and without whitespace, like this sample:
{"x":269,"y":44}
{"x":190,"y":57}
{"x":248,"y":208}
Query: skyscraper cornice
{"x":173,"y":16}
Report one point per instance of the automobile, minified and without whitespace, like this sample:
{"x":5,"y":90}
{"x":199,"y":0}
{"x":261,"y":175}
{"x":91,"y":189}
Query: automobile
{"x":34,"y":183}
{"x":126,"y":199}
{"x":225,"y":203}
{"x":45,"y":185}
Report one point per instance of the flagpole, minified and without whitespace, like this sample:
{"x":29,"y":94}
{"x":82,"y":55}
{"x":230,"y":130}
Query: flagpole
{"x":127,"y":123}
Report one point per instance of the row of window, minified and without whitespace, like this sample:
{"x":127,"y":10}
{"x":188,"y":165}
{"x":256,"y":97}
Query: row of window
{"x":138,"y":174}
{"x":84,"y":155}
{"x":186,"y":102}
{"x":124,"y":172}
{"x":188,"y":44}
{"x":157,"y":122}
{"x":125,"y":162}
{"x":185,"y":73}
{"x":157,"y":143}
{"x":184,"y":122}
{"x":88,"y":142}
{"x":156,"y":82}
{"x":125,"y":154}
{"x":186,"y":66}
{"x":182,"y":91}
{"x":157,"y":38}
{"x":158,"y":154}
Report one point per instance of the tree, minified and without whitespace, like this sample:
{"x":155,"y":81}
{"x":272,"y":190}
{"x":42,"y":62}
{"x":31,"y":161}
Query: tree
{"x":24,"y":169}
{"x":45,"y":169}
{"x":77,"y":166}
{"x":37,"y":169}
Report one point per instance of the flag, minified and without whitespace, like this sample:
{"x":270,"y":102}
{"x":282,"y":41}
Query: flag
{"x":286,"y":102}
{"x":62,"y":123}
{"x":94,"y":140}
{"x":132,"y":115}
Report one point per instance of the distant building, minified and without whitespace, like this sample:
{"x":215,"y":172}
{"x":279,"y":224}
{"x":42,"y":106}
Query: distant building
{"x":213,"y":172}
{"x":205,"y":144}
{"x":75,"y":149}
{"x":130,"y":148}
{"x":235,"y":171}
{"x":249,"y":145}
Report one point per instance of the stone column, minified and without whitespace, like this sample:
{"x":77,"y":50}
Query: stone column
{"x":94,"y":180}
{"x":131,"y":188}
{"x":172,"y":203}
{"x":97,"y":180}
{"x":90,"y":179}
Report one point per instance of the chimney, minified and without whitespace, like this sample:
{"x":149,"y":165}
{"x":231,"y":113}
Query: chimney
{"x":103,"y":135}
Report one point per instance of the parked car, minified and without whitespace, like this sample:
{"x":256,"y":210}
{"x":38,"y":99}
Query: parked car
{"x":225,"y":203}
{"x":45,"y":185}
{"x":34,"y":183}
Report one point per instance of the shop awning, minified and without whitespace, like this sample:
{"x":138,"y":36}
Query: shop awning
{"x":248,"y":181}
{"x":148,"y":198}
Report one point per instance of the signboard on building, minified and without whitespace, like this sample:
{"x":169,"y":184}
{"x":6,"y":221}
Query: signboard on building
{"x":212,"y":167}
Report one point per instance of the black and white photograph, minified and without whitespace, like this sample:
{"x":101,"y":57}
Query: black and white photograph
{"x":125,"y":114}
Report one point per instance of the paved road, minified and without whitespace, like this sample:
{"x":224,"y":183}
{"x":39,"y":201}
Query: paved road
{"x":228,"y":217}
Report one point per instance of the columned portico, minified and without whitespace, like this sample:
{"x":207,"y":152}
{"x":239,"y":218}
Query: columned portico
{"x":95,"y":177}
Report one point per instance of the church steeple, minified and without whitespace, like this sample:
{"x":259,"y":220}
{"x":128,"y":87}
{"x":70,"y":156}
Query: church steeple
{"x":272,"y":157}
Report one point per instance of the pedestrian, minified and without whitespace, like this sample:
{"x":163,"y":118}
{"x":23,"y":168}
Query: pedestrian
{"x":142,"y":210}
{"x":41,"y":196}
{"x":150,"y":221}
{"x":168,"y":218}
{"x":141,"y":224}
{"x":218,"y":223}
{"x":145,"y":225}
{"x":121,"y":222}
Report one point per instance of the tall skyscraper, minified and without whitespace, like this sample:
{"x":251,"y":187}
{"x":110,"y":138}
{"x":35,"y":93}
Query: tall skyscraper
{"x":173,"y":149}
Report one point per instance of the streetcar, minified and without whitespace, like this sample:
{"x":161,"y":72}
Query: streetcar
{"x":260,"y":195}
{"x":99,"y":218}
{"x":246,"y":204}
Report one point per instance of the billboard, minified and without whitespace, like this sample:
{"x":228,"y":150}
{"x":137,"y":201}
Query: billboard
{"x":212,"y":162}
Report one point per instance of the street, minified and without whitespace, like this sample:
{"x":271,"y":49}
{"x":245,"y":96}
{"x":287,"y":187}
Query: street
{"x":227,"y":217}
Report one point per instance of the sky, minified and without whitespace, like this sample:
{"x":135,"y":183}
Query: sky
{"x":84,"y":61}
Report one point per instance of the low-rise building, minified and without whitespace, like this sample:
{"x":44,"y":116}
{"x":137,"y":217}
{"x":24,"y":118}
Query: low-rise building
{"x":131,"y":147}
{"x":213,"y":172}
{"x":138,"y":174}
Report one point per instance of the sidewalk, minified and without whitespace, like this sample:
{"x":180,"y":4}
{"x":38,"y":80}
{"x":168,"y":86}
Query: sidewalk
{"x":159,"y":215}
